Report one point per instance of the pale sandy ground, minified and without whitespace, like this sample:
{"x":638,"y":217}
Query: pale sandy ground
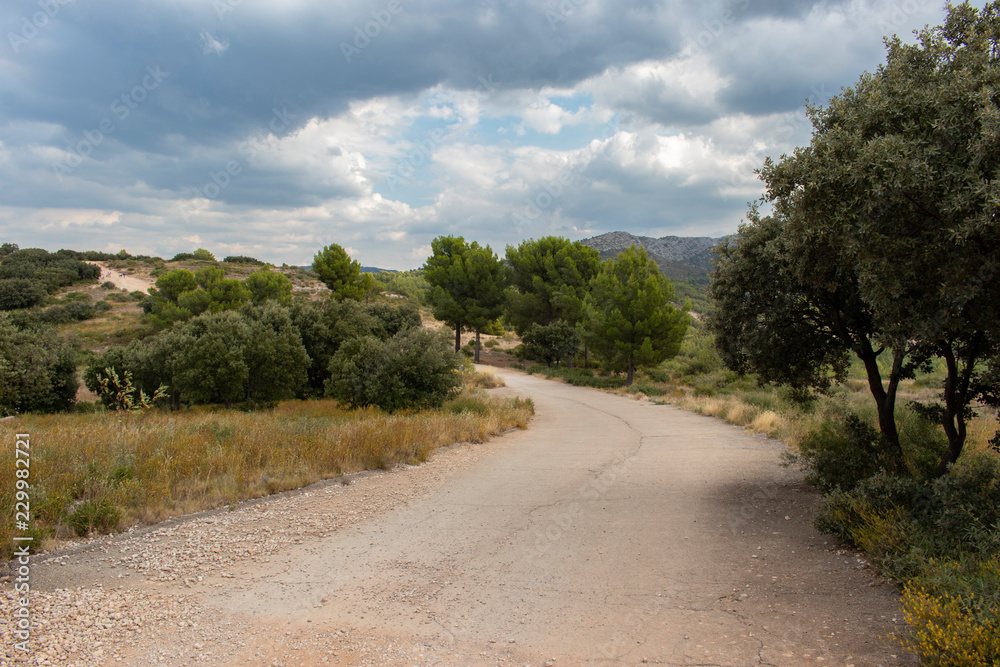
{"x":612,"y":532}
{"x":129,"y":282}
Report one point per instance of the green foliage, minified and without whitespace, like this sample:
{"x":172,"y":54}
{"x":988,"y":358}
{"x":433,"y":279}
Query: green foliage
{"x":199,"y":255}
{"x":20,"y":293}
{"x":209,"y":275}
{"x":409,"y":284}
{"x":37,"y":369}
{"x":171,"y":285}
{"x":76,"y":296}
{"x":550,"y":278}
{"x":255,"y":355}
{"x":242,"y":259}
{"x":413,"y":369}
{"x":392,"y":319}
{"x":630,"y":321}
{"x":74,"y":311}
{"x":324,"y":326}
{"x":341,"y":273}
{"x":467,"y":284}
{"x":121,"y":395}
{"x":46,"y":271}
{"x":8,"y":248}
{"x":551,"y":343}
{"x":266,"y":285}
{"x":892,"y":207}
{"x":94,"y":516}
{"x":841,"y":454}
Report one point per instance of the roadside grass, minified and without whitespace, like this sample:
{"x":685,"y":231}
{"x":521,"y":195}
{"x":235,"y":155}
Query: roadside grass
{"x":104,"y":471}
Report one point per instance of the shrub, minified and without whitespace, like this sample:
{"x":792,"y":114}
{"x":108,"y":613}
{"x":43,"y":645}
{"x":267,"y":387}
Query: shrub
{"x":37,"y":369}
{"x":77,"y":297}
{"x":415,"y":368}
{"x":550,"y":344}
{"x":71,"y":312}
{"x":118,"y":297}
{"x":102,"y":306}
{"x":108,"y":285}
{"x":242,"y":259}
{"x":98,"y":516}
{"x":951,"y":631}
{"x":20,"y":293}
{"x":842,"y":453}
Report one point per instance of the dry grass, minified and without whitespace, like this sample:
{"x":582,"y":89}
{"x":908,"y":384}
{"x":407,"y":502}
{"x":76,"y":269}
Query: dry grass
{"x":151,"y":466}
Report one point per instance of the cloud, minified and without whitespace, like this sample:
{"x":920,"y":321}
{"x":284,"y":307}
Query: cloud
{"x":249,"y":129}
{"x":211,"y":44}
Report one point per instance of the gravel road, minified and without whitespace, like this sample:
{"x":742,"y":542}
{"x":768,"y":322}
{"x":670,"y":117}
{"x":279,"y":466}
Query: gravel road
{"x":611,"y":532}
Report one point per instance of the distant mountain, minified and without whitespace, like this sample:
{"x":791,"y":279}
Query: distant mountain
{"x":375,"y":269}
{"x":677,"y":256}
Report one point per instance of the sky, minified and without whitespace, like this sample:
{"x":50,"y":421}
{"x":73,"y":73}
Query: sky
{"x":273,"y":128}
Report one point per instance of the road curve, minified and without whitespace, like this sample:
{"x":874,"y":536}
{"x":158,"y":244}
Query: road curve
{"x":611,"y":532}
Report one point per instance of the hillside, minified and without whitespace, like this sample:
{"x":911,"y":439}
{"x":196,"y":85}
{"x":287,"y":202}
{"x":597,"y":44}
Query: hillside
{"x":677,"y":256}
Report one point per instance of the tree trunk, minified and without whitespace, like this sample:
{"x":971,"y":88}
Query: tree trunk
{"x":956,"y":399}
{"x":631,"y":374}
{"x":476,"y":358}
{"x":885,"y":402}
{"x":458,"y":337}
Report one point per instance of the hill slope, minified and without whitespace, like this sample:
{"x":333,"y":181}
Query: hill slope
{"x":677,"y":256}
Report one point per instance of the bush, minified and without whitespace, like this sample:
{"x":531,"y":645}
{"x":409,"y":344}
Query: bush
{"x":71,"y":312}
{"x":842,"y":453}
{"x":416,"y":368}
{"x":98,"y":516}
{"x":77,"y":297}
{"x":108,"y":285}
{"x":20,"y":293}
{"x":550,"y":344}
{"x":242,"y":259}
{"x":37,"y":369}
{"x":102,"y":306}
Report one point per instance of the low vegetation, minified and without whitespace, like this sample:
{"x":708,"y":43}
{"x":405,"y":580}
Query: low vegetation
{"x":104,"y":471}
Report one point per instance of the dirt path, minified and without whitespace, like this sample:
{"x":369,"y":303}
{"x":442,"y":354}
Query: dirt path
{"x":131,"y":283}
{"x":612,"y":532}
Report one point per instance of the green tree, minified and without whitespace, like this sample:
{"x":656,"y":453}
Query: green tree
{"x":203,"y":255}
{"x":266,"y":285}
{"x":209,"y":275}
{"x":171,"y":285}
{"x":227,"y":294}
{"x":550,"y":279}
{"x":629,"y":317}
{"x":467,"y":285}
{"x":413,"y":369}
{"x":212,"y":366}
{"x":341,"y":273}
{"x":20,"y":293}
{"x":899,"y":186}
{"x":276,"y":359}
{"x":37,"y":369}
{"x":324,"y":326}
{"x":550,"y":343}
{"x":793,"y":315}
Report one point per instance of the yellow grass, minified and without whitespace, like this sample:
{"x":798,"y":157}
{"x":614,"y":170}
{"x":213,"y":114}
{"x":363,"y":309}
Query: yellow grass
{"x":159,"y":464}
